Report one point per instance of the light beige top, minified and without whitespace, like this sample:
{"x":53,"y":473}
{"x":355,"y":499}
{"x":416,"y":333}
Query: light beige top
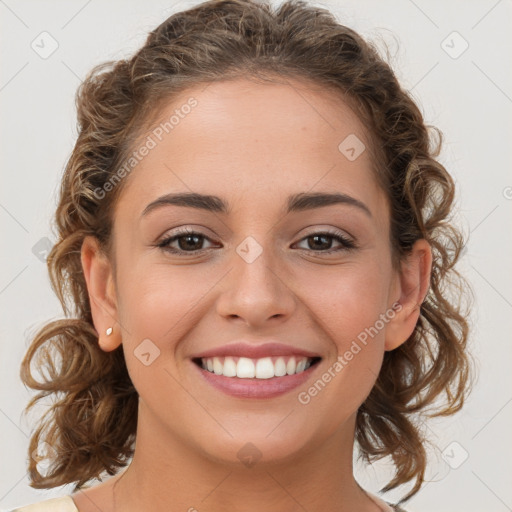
{"x":63,"y":504}
{"x":66,"y":504}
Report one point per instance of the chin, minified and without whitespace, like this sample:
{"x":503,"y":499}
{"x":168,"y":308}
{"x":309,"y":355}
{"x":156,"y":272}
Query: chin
{"x":259,"y":445}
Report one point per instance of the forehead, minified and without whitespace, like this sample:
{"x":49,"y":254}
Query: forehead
{"x":253,"y":138}
{"x":256,"y":111}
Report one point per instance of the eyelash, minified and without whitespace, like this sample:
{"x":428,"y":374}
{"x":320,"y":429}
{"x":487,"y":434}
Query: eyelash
{"x":336,"y":235}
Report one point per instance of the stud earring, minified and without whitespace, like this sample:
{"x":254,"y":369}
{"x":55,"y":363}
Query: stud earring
{"x":109,"y":331}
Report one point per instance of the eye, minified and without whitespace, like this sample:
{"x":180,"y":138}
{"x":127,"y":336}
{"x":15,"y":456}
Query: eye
{"x":322,"y":242}
{"x":189,"y":242}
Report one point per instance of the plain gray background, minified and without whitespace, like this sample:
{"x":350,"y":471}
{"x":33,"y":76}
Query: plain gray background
{"x":466,"y":92}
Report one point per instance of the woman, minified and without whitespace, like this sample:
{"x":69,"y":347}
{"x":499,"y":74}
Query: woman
{"x":253,"y":261}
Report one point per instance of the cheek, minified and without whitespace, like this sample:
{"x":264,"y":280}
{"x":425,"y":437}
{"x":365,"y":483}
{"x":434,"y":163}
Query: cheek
{"x":348,"y":305}
{"x":348,"y":299}
{"x":157,"y":308}
{"x":155,"y":298}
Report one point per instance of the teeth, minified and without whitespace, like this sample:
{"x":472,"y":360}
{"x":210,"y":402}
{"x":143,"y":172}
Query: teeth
{"x":217,"y":366}
{"x":264,"y":368}
{"x":245,"y":368}
{"x":280,"y":367}
{"x":229,"y":369}
{"x":290,"y":366}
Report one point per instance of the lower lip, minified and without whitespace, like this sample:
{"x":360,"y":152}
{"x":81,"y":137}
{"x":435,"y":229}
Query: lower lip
{"x":256,"y":388}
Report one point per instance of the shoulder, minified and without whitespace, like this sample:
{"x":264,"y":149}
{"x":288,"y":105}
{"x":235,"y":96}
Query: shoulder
{"x":62,"y":504}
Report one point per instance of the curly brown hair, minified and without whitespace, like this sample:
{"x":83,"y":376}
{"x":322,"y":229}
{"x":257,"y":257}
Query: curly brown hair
{"x":91,"y":425}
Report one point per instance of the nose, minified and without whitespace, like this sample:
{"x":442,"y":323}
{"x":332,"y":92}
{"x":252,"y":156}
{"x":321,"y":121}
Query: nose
{"x":257,"y":289}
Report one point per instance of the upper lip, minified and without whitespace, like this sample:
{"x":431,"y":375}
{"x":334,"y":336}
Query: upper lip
{"x":253,"y":351}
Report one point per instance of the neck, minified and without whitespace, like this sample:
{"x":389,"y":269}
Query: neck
{"x":163,"y":473}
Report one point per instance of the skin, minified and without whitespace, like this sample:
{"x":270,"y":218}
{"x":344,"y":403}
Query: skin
{"x":253,"y":145}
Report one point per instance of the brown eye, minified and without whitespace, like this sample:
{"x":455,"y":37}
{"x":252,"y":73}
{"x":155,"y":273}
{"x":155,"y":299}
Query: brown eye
{"x":322,"y":242}
{"x":188,"y":242}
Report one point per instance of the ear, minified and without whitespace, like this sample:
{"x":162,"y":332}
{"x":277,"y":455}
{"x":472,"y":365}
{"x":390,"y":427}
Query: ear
{"x":413,"y":284}
{"x":102,"y":297}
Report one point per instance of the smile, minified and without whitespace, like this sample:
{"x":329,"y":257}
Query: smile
{"x":262,"y":368}
{"x":263,"y":378}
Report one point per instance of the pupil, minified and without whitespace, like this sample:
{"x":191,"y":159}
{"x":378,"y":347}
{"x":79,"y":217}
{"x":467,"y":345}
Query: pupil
{"x":188,"y":237}
{"x":316,"y":237}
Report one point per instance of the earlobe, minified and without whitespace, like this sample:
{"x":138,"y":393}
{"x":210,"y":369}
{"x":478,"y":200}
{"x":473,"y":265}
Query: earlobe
{"x":109,"y":340}
{"x":98,"y":275}
{"x":414,"y":281}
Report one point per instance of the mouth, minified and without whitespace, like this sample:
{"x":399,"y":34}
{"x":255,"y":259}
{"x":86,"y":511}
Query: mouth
{"x":261,"y":368}
{"x":263,"y":378}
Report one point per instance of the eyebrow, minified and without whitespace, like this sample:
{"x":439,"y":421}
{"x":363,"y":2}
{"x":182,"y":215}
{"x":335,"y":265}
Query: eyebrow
{"x":296,"y":202}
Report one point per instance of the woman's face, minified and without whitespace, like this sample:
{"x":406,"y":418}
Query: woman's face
{"x":258,"y":270}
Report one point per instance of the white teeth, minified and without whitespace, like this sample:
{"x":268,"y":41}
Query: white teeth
{"x":280,"y":367}
{"x":229,"y":367}
{"x":290,"y":366}
{"x":217,"y":366}
{"x":263,"y":368}
{"x":245,"y":368}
